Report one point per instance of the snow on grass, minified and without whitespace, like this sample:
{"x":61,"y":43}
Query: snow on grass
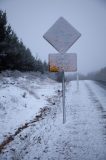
{"x":80,"y":138}
{"x":20,"y":101}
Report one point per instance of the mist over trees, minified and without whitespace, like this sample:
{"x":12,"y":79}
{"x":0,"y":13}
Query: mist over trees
{"x":13,"y":53}
{"x":98,"y":75}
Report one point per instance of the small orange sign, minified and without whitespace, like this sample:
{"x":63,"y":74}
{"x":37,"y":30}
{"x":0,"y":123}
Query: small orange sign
{"x":53,"y":68}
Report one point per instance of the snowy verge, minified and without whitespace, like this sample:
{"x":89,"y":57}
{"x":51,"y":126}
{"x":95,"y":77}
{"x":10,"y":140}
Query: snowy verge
{"x":21,"y":100}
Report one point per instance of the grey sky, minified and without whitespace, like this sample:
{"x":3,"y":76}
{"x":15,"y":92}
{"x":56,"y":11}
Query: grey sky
{"x":30,"y":19}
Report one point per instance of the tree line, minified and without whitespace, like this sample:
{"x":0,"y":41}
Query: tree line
{"x":99,"y":75}
{"x":13,"y":53}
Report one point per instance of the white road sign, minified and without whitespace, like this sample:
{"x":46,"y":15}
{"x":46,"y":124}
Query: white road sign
{"x":63,"y":62}
{"x":62,"y":35}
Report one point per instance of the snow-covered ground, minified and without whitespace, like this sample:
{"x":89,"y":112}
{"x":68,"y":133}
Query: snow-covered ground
{"x":20,"y":101}
{"x":82,"y":137}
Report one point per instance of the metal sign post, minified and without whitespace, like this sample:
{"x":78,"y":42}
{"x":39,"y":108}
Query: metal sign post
{"x":63,"y":63}
{"x":62,"y":35}
{"x":63,"y":96}
{"x":77,"y":81}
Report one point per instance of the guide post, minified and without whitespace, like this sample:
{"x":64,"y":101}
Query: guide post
{"x":77,"y":81}
{"x":63,"y":96}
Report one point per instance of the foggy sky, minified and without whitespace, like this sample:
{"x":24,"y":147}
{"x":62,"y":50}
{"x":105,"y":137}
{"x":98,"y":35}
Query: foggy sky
{"x":30,"y":19}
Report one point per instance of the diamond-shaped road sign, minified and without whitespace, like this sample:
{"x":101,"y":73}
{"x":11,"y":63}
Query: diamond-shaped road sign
{"x":62,"y":35}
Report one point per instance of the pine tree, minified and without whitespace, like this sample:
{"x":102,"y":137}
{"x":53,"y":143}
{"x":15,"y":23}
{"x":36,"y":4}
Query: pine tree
{"x":13,"y":53}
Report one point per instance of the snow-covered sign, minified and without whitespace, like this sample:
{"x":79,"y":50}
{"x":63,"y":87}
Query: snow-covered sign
{"x":63,"y":62}
{"x":62,"y":35}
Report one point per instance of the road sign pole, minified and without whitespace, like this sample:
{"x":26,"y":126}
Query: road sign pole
{"x":62,"y":36}
{"x":63,"y":96}
{"x":77,"y":81}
